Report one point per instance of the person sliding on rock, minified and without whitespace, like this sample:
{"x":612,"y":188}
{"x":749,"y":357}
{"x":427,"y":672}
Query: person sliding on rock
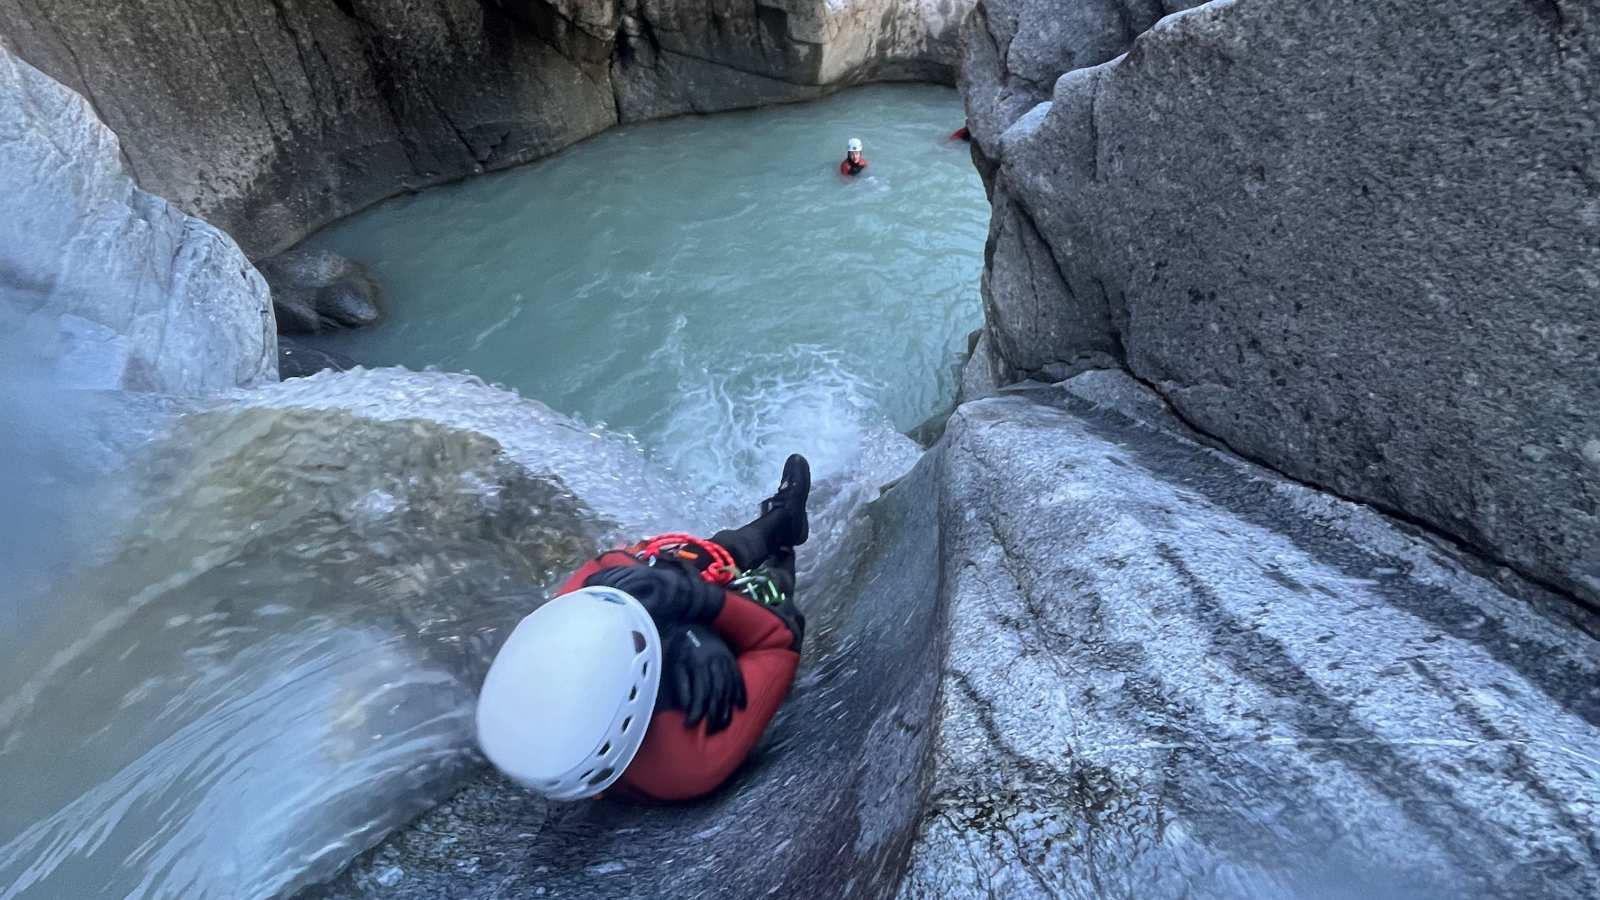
{"x":854,"y":162}
{"x":655,"y":669}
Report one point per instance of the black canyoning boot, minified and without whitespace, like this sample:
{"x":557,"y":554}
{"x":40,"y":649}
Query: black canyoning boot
{"x":791,"y":496}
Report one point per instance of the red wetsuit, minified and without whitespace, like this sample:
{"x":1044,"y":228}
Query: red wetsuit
{"x":677,"y":762}
{"x":849,"y":168}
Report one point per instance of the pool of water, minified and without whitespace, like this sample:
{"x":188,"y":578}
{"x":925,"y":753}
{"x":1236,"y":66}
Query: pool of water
{"x":711,"y":285}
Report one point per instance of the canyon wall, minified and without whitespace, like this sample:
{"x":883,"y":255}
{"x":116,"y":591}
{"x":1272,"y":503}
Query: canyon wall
{"x":1357,"y":241}
{"x":270,"y":120}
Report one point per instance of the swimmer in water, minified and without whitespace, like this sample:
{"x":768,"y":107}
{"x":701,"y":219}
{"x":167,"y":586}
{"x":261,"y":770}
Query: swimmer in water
{"x":854,"y":162}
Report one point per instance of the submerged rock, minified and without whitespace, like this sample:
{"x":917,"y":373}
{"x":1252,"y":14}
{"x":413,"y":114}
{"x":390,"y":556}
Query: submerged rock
{"x":1174,"y":674}
{"x":102,"y":285}
{"x":314,"y":291}
{"x":1372,"y":270}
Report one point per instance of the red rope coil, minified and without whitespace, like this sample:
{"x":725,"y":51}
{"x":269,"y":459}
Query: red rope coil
{"x":721,"y":570}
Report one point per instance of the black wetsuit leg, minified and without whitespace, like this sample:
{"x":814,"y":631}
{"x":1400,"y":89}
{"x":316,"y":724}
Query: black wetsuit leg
{"x":750,"y":545}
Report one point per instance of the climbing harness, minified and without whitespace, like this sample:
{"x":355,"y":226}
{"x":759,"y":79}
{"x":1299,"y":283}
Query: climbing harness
{"x":757,"y":584}
{"x":720,"y":571}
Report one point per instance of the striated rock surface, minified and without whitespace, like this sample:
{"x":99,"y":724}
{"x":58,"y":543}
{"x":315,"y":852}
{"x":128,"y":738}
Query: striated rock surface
{"x":273,"y":119}
{"x":1356,"y":241}
{"x":101,"y":284}
{"x":1173,"y":674}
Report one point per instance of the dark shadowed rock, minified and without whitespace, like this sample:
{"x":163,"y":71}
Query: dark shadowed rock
{"x":1172,"y":674}
{"x":315,"y":291}
{"x":1357,"y":241}
{"x":286,"y":116}
{"x":297,"y":360}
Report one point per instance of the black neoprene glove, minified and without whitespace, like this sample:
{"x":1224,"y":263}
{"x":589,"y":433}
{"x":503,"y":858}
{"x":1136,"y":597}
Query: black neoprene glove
{"x":700,"y":675}
{"x":670,"y":593}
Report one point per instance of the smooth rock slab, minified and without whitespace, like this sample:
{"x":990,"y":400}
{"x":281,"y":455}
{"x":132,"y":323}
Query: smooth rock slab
{"x":102,"y":285}
{"x":827,"y":806}
{"x":1172,"y":674}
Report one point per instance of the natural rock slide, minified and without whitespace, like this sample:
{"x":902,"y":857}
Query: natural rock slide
{"x":1082,"y":649}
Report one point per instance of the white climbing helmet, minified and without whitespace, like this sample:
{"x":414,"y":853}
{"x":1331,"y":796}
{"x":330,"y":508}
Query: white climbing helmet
{"x":854,"y":146}
{"x":568,"y":698}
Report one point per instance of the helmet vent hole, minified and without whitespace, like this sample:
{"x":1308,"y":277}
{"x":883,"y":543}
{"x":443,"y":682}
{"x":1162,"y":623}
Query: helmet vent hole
{"x":634,"y":694}
{"x":639,"y":643}
{"x":645,"y":669}
{"x":600,"y":776}
{"x":626,"y":722}
{"x":605,"y":749}
{"x":585,"y":776}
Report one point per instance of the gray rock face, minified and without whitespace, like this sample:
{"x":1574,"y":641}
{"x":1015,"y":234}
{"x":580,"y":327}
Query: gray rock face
{"x":1014,"y":50}
{"x":1174,"y":674}
{"x":273,"y":119}
{"x":1355,"y":242}
{"x":315,"y":291}
{"x":101,"y":284}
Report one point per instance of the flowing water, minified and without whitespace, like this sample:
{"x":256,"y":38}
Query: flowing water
{"x":710,"y":285}
{"x":274,"y":663}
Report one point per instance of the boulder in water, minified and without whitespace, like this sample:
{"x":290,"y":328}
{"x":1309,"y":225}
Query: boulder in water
{"x":314,"y":291}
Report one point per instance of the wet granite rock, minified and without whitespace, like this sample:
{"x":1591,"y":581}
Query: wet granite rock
{"x":314,"y":291}
{"x":1357,"y":243}
{"x":1174,"y":674}
{"x":286,"y":116}
{"x":1161,"y":672}
{"x":105,"y":286}
{"x":826,"y":807}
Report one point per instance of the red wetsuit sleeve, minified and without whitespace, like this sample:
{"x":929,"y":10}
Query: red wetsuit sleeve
{"x":679,"y":763}
{"x":607,"y":560}
{"x":844,"y":167}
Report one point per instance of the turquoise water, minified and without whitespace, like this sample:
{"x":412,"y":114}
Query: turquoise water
{"x":278,"y":664}
{"x":710,"y":285}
